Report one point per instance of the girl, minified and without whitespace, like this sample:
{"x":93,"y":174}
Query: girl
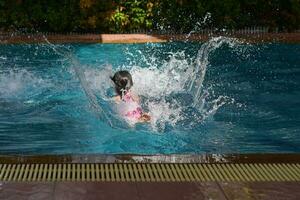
{"x":129,"y":105}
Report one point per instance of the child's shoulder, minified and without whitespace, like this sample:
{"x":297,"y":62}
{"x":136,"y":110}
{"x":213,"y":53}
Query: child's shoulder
{"x":117,"y":99}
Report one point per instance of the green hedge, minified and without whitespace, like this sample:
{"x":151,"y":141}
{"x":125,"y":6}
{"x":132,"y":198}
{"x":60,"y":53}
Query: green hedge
{"x":126,"y":15}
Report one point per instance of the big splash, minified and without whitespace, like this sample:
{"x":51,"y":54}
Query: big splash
{"x":171,"y":89}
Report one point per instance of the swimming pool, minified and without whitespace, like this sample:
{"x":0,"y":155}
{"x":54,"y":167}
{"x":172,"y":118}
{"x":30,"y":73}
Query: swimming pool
{"x":221,"y":96}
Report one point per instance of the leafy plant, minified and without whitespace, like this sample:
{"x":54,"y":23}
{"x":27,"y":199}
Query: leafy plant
{"x":130,"y":15}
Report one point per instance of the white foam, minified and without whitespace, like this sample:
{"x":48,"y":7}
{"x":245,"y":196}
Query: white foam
{"x":16,"y":83}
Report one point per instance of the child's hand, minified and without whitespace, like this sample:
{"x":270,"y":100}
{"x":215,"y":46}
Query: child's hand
{"x":145,"y":117}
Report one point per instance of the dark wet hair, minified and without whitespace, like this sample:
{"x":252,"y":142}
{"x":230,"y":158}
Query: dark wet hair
{"x":122,"y":80}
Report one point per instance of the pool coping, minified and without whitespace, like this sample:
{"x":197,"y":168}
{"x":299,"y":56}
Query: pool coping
{"x":133,"y":158}
{"x":145,"y":38}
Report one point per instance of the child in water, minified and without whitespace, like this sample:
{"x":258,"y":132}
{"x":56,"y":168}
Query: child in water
{"x":128,"y":103}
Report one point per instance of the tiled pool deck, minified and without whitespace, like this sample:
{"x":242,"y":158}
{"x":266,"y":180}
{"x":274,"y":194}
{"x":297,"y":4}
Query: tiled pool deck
{"x":142,"y":190}
{"x":153,"y":190}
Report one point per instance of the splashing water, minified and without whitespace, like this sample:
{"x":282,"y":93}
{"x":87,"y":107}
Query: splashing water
{"x":96,"y":105}
{"x":198,"y":74}
{"x":199,"y":25}
{"x":171,"y":90}
{"x":15,"y":83}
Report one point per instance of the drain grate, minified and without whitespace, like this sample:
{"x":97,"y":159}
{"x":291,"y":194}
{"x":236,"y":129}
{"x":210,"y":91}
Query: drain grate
{"x":150,"y":172}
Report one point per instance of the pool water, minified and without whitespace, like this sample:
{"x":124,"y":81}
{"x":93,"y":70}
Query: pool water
{"x":222,"y":96}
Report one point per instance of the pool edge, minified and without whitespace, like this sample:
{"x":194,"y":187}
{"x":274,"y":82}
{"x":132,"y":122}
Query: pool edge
{"x":134,"y":158}
{"x":145,"y":38}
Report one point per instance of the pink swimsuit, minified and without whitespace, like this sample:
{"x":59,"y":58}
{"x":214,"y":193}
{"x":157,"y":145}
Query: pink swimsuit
{"x":134,"y":110}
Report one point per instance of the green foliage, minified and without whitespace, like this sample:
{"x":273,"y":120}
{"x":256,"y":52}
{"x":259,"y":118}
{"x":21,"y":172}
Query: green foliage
{"x":125,"y":15}
{"x":119,"y":20}
{"x":131,"y":14}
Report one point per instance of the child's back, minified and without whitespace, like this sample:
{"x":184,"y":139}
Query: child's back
{"x":128,"y":104}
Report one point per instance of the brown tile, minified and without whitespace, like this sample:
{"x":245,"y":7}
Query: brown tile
{"x":28,"y":191}
{"x":237,"y":190}
{"x":96,"y":190}
{"x":276,"y":190}
{"x":261,"y":190}
{"x":211,"y":190}
{"x":180,"y":191}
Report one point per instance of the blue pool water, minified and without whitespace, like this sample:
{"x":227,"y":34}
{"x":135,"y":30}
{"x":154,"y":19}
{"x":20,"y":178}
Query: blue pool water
{"x":221,"y":96}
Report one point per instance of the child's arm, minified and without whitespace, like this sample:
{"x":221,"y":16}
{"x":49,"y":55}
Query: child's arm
{"x":136,"y":98}
{"x":117,"y":99}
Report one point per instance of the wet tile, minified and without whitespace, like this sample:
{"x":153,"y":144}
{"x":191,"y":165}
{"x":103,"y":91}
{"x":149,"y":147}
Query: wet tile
{"x":28,"y":191}
{"x":261,"y":190}
{"x":97,"y":190}
{"x":277,"y":190}
{"x":180,"y":191}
